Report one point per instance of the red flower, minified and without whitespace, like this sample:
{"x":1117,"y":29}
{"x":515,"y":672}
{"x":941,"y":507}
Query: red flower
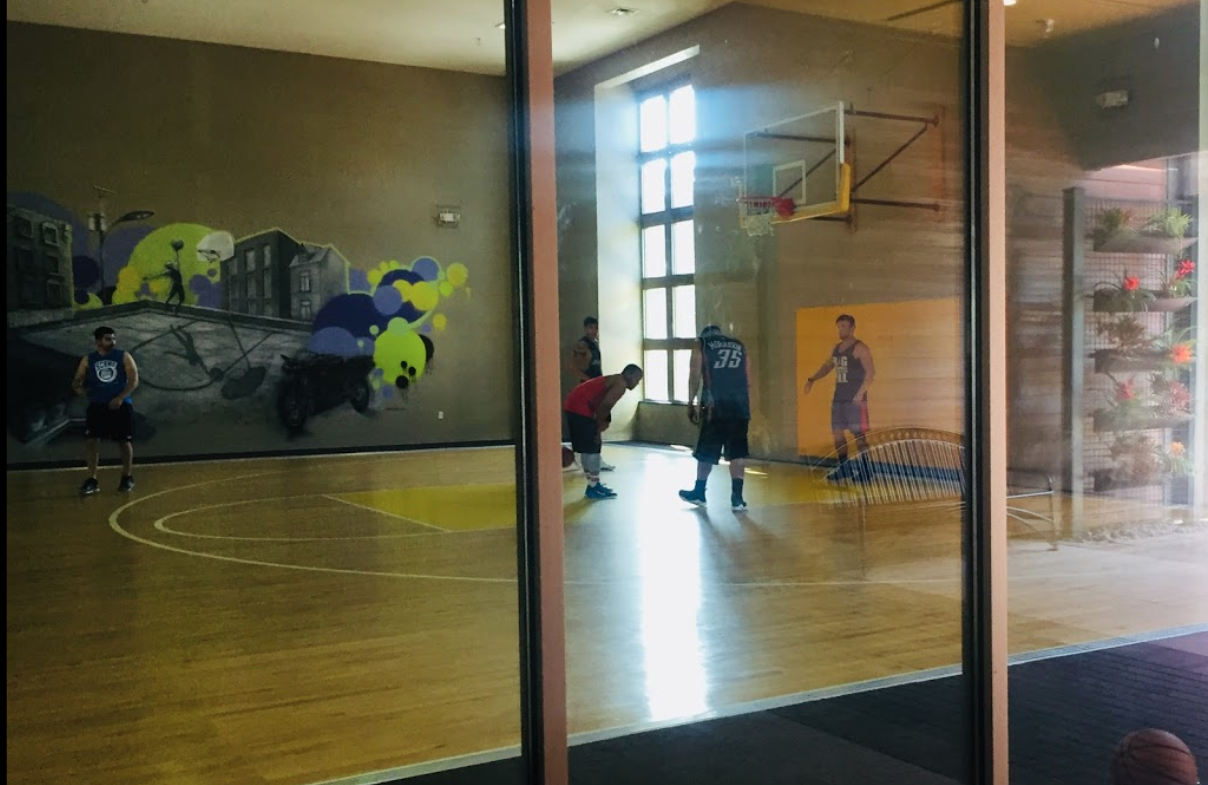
{"x":1125,"y":392}
{"x":1181,"y":354}
{"x":1186,"y":268}
{"x":1131,"y":282}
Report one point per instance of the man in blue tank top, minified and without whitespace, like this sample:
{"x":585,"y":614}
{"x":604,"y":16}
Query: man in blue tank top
{"x":720,"y":374}
{"x":851,"y":361}
{"x":107,"y":376}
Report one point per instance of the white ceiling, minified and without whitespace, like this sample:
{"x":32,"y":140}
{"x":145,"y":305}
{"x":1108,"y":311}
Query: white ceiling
{"x":463,"y":35}
{"x":459,"y":35}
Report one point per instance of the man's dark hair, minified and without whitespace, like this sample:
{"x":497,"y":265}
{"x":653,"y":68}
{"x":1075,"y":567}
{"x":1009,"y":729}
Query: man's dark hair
{"x":631,"y":369}
{"x":843,"y":317}
{"x":591,"y":321}
{"x":101,"y":332}
{"x":710,"y":331}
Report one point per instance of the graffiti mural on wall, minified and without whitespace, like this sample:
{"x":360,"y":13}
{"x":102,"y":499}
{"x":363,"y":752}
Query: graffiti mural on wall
{"x":265,"y":327}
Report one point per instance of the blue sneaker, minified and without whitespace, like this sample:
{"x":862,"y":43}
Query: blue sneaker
{"x":693,"y":497}
{"x":599,"y":491}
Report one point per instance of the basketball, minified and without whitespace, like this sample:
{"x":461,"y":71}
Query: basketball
{"x":568,"y":456}
{"x":1153,"y":757}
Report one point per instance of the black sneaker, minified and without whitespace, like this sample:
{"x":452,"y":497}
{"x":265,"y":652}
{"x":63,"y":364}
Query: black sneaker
{"x":127,"y":483}
{"x":90,"y":487}
{"x":737,"y":503}
{"x":694,"y":497}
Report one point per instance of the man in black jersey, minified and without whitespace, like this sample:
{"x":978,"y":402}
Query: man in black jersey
{"x":851,"y":361}
{"x":585,"y":356}
{"x":720,"y":375}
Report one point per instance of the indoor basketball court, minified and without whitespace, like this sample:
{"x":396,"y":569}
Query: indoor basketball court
{"x":345,"y":614}
{"x":927,"y":274}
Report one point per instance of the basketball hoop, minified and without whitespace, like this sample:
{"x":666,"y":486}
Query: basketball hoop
{"x":758,"y":213}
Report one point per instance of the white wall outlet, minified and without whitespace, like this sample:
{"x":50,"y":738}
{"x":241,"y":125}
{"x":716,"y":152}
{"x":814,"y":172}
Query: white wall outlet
{"x":440,"y":415}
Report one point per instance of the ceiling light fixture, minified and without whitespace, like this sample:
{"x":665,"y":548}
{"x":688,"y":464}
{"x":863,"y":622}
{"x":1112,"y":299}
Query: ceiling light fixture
{"x":1009,"y":3}
{"x":622,"y":11}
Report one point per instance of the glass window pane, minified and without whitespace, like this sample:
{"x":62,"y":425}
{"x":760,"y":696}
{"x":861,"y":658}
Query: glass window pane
{"x":684,"y":310}
{"x":683,"y":177}
{"x":683,"y":115}
{"x":656,"y":379}
{"x":1124,"y":435}
{"x":303,"y":372}
{"x":654,"y":251}
{"x":654,"y":186}
{"x":654,"y":314}
{"x":653,"y":123}
{"x":682,"y":364}
{"x":683,"y":248}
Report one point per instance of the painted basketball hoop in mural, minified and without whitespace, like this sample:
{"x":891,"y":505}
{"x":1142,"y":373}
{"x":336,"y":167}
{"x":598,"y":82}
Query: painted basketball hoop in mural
{"x":757,"y":213}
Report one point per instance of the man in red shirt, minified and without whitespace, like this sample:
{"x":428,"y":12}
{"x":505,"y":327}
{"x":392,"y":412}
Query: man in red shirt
{"x":588,"y":413}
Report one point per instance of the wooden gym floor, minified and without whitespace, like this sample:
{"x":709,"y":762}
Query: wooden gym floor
{"x":304,"y":620}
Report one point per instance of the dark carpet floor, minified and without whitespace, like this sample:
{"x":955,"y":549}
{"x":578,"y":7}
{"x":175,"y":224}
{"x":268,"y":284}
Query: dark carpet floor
{"x":1067,"y":714}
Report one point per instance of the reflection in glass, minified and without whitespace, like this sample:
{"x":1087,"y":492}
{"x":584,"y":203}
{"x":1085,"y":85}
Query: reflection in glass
{"x":669,"y":603}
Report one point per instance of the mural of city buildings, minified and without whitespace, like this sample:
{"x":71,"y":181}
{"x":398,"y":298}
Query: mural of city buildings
{"x":263,"y":331}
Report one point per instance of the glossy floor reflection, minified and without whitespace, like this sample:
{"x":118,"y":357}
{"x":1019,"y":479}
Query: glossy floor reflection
{"x":294,"y":621}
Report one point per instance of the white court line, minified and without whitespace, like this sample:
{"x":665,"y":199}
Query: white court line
{"x":383,"y":512}
{"x":162,"y":525}
{"x":115,"y":524}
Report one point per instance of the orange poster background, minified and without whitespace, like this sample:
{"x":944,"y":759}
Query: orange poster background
{"x":917,"y":352}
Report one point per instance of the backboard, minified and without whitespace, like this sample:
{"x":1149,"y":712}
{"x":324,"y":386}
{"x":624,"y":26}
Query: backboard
{"x":801,"y":159}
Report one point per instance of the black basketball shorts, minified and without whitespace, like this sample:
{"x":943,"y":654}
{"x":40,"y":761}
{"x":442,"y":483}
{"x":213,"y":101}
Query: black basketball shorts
{"x":584,"y":434}
{"x":722,"y":435}
{"x":113,"y":424}
{"x":849,"y":416}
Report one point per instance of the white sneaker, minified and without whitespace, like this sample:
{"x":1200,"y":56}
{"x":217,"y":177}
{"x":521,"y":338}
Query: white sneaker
{"x":605,"y":466}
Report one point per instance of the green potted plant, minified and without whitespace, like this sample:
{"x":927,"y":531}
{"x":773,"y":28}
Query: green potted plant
{"x":1126,"y":409}
{"x":1122,"y":297}
{"x":1136,"y":461}
{"x":1171,"y":398}
{"x":1165,"y":404}
{"x":1112,"y":223}
{"x":1167,"y":222}
{"x":1164,"y":232}
{"x":1131,"y":347}
{"x":1176,"y":292}
{"x":1176,"y":462}
{"x":1177,"y":347}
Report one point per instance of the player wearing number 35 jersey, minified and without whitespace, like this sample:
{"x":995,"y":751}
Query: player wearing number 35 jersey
{"x":720,"y":376}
